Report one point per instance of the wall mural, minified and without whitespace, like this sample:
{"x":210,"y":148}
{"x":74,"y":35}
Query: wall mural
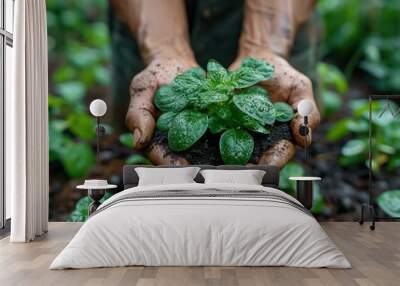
{"x":224,"y":109}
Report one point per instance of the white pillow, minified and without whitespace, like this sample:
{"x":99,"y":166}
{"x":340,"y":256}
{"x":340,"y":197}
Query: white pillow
{"x":248,"y":177}
{"x":166,"y":176}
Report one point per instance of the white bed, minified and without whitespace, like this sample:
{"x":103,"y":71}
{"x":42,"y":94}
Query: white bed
{"x":205,"y":230}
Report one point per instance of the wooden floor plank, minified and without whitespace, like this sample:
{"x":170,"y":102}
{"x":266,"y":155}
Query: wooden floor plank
{"x":375,"y":257}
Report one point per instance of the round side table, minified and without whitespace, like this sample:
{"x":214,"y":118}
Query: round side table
{"x":96,"y":193}
{"x":304,"y":189}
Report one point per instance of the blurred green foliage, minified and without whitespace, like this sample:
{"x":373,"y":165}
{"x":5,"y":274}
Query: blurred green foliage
{"x":79,"y":55}
{"x":353,"y":130}
{"x":332,"y":85}
{"x":365,"y":35}
{"x":390,"y":202}
{"x":126,"y":139}
{"x":80,"y":212}
{"x":359,"y":36}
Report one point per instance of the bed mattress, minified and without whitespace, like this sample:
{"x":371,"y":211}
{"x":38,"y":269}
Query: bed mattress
{"x":201,"y":225}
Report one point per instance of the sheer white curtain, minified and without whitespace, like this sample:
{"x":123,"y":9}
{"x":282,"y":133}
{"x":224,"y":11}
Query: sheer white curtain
{"x":26,"y":124}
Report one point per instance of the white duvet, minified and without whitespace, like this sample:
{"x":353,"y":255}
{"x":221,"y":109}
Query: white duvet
{"x":200,"y":231}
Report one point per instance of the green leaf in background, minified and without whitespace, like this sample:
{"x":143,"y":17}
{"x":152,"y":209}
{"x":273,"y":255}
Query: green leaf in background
{"x":102,"y":76}
{"x":64,"y":73}
{"x":165,"y":120}
{"x":186,"y":129}
{"x":216,"y":72}
{"x":377,"y":162}
{"x":59,"y":125}
{"x":389,"y":202}
{"x":236,"y":146}
{"x":215,"y":124}
{"x":291,"y":169}
{"x":318,"y":200}
{"x":346,"y":161}
{"x":81,"y":211}
{"x":394,"y":162}
{"x":57,"y":139}
{"x":82,"y":125}
{"x":70,"y":19}
{"x":385,"y":148}
{"x":77,"y":159}
{"x":331,"y":76}
{"x":166,"y":99}
{"x":359,"y":107}
{"x":256,"y":105}
{"x":357,"y":125}
{"x":126,"y":139}
{"x":97,"y":35}
{"x":55,"y":101}
{"x":338,"y":131}
{"x":83,"y":56}
{"x":137,"y":159}
{"x":72,"y":91}
{"x":386,"y":118}
{"x":331,"y":102}
{"x":354,"y":147}
{"x":283,"y":112}
{"x":376,"y":69}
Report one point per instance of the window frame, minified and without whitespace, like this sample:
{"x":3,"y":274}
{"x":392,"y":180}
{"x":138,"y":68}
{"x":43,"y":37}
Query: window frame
{"x":6,"y":39}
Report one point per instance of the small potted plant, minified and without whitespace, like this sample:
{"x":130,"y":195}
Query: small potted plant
{"x":228,"y":106}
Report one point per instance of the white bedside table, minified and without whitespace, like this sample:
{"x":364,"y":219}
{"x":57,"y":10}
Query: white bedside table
{"x":96,"y":190}
{"x":304,"y":189}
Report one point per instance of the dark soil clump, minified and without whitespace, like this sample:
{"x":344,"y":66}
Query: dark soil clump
{"x":206,"y":150}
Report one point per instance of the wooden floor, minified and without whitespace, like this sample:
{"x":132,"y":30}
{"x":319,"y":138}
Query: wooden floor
{"x":375,"y":257}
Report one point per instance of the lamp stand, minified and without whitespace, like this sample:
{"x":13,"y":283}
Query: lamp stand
{"x":304,"y":131}
{"x":100,"y":131}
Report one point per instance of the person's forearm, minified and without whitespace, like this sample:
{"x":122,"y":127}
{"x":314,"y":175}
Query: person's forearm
{"x":272,"y":24}
{"x":159,"y":26}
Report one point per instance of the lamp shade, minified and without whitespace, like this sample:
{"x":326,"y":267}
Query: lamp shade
{"x":98,"y":107}
{"x":305,"y":107}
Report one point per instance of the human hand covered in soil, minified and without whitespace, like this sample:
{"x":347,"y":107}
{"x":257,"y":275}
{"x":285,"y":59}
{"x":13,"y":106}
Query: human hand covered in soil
{"x":160,"y":28}
{"x":287,"y":85}
{"x":140,"y":118}
{"x":268,"y":33}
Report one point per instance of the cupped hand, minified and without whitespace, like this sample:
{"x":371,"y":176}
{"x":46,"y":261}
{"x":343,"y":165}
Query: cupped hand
{"x":290,"y":86}
{"x":141,"y":115}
